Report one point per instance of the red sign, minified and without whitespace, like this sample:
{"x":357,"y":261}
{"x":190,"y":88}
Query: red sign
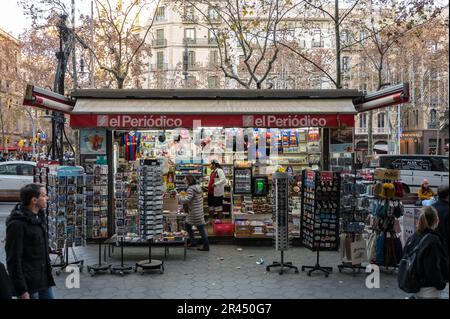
{"x":136,"y":121}
{"x":326,"y":176}
{"x":310,"y":175}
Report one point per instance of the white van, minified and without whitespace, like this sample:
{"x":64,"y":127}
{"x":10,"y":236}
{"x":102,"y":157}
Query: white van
{"x":13,"y":176}
{"x":415,"y":168}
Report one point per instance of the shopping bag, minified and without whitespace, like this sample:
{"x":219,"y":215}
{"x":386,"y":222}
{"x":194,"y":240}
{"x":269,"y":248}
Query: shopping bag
{"x":359,"y":252}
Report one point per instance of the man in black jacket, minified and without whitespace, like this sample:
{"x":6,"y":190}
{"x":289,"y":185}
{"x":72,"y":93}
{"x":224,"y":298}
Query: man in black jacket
{"x":27,"y":254}
{"x":442,"y":208}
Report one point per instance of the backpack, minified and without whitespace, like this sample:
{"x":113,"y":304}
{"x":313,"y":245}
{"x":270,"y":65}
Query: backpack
{"x":407,"y":270}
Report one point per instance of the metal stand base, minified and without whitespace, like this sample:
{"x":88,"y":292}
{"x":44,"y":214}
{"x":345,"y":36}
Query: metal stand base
{"x":326,"y":270}
{"x":150,"y":265}
{"x":121,"y":269}
{"x":356,"y":269}
{"x":317,"y":267}
{"x":282,"y":264}
{"x":94,"y":269}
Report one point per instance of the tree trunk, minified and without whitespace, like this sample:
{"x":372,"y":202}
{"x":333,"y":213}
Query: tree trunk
{"x":338,"y":45}
{"x":120,"y":82}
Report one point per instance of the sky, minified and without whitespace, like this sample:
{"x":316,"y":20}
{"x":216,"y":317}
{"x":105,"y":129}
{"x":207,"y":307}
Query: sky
{"x":13,"y":20}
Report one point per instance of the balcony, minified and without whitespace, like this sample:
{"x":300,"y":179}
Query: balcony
{"x":159,"y":67}
{"x":380,"y":130}
{"x":159,"y":43}
{"x":361,"y":130}
{"x":199,"y":42}
{"x":432,"y":125}
{"x":189,"y":18}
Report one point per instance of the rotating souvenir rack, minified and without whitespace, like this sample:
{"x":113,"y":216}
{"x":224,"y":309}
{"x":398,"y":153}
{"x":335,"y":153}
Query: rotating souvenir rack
{"x":66,"y":213}
{"x":320,"y":214}
{"x":280,"y":190}
{"x":384,"y":247}
{"x":353,"y":216}
{"x":150,"y":187}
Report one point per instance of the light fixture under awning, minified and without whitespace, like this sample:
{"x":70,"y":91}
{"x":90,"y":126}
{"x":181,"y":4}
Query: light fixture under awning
{"x":178,"y":106}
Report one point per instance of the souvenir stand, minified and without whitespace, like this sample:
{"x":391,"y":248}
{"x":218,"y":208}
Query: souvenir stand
{"x":66,"y":213}
{"x":280,"y":211}
{"x":320,"y":214}
{"x":384,"y":246}
{"x":353,"y":217}
{"x":150,"y":209}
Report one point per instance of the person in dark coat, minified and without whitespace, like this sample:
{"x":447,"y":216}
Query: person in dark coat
{"x":27,"y":252}
{"x":442,"y":208}
{"x":432,"y":262}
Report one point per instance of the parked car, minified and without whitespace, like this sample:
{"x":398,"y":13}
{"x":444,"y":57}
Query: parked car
{"x":414,"y":168}
{"x":13,"y":176}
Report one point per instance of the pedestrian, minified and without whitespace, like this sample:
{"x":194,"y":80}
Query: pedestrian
{"x":425,"y":192}
{"x":442,"y":208}
{"x":195,"y":216}
{"x":27,"y":252}
{"x":5,"y":283}
{"x":431,"y":263}
{"x":4,"y":157}
{"x":216,"y":190}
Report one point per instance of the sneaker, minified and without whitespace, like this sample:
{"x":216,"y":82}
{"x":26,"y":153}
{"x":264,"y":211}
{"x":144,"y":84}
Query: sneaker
{"x":202,"y":248}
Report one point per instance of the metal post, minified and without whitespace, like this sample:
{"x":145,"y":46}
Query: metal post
{"x":185,"y":64}
{"x":74,"y":59}
{"x":33,"y":131}
{"x":91,"y":71}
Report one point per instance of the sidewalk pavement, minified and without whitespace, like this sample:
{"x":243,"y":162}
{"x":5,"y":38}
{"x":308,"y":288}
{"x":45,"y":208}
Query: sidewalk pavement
{"x":227,"y":271}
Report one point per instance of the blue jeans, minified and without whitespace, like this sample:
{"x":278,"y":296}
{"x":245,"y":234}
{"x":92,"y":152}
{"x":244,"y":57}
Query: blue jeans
{"x":202,"y":230}
{"x":43,"y":294}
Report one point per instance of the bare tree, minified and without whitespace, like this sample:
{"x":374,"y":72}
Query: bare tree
{"x":120,"y":42}
{"x":244,"y":32}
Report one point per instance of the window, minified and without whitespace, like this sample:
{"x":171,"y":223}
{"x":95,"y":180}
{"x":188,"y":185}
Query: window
{"x":213,"y":14}
{"x":160,"y":14}
{"x":9,"y":169}
{"x":160,"y":60}
{"x":192,"y":81}
{"x":189,"y":12}
{"x":189,"y":35}
{"x":213,"y":82}
{"x":191,"y":59}
{"x":213,"y":58}
{"x":432,"y":146}
{"x":417,"y":117}
{"x":381,"y":117}
{"x":212,"y":36}
{"x":433,"y":116}
{"x":363,"y":120}
{"x":24,"y":170}
{"x":160,"y":34}
{"x":346,"y":61}
{"x":345,"y":37}
{"x":317,"y":39}
{"x":363,"y":36}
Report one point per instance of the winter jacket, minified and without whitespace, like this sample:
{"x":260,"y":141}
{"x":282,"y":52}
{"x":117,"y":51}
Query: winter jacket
{"x":219,"y":182}
{"x":194,"y":201}
{"x":442,"y":229}
{"x":432,"y":262}
{"x":27,"y":252}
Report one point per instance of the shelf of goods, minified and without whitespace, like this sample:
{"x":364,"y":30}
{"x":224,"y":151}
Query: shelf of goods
{"x":182,"y":169}
{"x":96,"y":191}
{"x":66,"y":212}
{"x":150,"y":188}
